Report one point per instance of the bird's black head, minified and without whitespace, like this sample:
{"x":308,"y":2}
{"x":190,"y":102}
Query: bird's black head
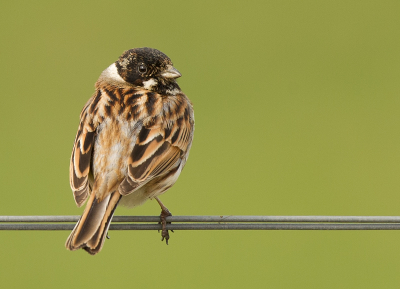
{"x":148,"y":68}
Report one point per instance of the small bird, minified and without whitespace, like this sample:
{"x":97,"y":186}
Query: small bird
{"x":133,"y":140}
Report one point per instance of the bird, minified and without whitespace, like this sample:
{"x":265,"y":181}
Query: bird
{"x":133,"y":140}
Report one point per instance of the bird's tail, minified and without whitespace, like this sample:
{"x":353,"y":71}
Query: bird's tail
{"x":90,"y":231}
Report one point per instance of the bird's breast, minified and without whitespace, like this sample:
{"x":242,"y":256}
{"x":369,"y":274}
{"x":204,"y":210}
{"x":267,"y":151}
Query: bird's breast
{"x":113,"y":145}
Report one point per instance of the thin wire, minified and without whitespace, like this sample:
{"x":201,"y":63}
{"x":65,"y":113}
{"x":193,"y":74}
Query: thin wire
{"x":231,"y":226}
{"x":224,"y":219}
{"x":213,"y":222}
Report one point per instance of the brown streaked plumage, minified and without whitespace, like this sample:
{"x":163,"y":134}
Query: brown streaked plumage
{"x":132,"y":143}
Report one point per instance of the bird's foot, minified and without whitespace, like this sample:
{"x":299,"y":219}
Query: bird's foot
{"x":164,"y":232}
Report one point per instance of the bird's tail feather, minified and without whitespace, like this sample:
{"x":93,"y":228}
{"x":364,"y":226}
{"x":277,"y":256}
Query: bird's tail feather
{"x":90,"y":231}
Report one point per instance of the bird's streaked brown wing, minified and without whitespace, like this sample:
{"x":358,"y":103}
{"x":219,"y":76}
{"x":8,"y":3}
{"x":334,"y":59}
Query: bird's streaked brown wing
{"x":81,"y":158}
{"x":158,"y":150}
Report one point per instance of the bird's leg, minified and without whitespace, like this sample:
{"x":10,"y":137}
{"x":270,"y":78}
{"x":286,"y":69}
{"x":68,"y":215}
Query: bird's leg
{"x":164,"y":213}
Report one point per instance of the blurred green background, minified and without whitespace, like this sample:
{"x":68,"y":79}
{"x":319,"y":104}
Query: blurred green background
{"x":297,"y":113}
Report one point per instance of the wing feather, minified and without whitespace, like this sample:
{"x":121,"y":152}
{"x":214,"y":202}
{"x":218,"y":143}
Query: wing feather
{"x":81,"y":156}
{"x":157,"y":151}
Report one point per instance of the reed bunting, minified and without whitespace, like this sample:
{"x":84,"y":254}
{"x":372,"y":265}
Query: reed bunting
{"x":132,"y":143}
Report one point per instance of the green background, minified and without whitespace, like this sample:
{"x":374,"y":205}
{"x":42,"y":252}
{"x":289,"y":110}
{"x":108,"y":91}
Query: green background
{"x":297,"y":113}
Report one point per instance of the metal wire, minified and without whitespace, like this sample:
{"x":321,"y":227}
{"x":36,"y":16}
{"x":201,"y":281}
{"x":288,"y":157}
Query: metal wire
{"x":212,"y":222}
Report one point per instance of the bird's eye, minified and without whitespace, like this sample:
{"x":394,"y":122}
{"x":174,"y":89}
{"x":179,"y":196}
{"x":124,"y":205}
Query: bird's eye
{"x":142,"y":68}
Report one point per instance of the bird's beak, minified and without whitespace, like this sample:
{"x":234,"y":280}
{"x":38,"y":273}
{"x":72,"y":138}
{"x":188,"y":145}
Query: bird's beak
{"x":171,"y":72}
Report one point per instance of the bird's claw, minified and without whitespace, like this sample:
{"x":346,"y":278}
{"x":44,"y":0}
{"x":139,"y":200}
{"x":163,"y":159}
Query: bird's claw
{"x":164,"y":232}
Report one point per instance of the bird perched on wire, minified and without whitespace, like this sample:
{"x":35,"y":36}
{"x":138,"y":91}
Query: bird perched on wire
{"x":132,"y":143}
